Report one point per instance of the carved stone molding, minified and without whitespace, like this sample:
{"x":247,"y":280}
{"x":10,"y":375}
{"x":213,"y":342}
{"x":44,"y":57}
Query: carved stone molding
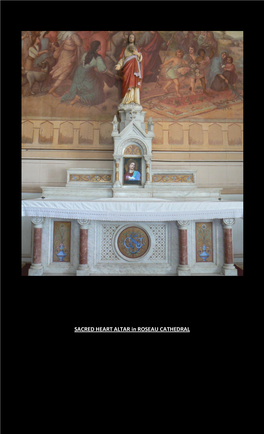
{"x":38,"y":221}
{"x":228,"y":223}
{"x":84,"y":223}
{"x":183,"y":224}
{"x":132,"y":139}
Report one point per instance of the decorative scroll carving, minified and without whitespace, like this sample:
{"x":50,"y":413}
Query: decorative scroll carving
{"x":91,"y":178}
{"x":132,"y":150}
{"x":127,"y":142}
{"x":228,"y":222}
{"x":172,"y":178}
{"x":38,"y":221}
{"x":83,"y":222}
{"x":182,"y":224}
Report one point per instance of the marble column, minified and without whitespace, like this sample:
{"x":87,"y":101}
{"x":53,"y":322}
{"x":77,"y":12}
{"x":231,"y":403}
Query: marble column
{"x":148,"y":183}
{"x":117,"y":159}
{"x":228,"y":268}
{"x":36,"y":268}
{"x":83,"y":268}
{"x":183,"y":268}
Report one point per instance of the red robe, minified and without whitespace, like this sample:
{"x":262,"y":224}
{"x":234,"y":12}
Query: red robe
{"x":53,"y":36}
{"x":150,"y":52}
{"x":129,"y":79}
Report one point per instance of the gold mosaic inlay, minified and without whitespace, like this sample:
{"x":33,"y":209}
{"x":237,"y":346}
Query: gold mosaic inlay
{"x":91,"y":178}
{"x":172,"y":178}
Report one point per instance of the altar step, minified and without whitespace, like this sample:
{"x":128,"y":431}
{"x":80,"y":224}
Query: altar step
{"x":239,"y":267}
{"x":25,"y":268}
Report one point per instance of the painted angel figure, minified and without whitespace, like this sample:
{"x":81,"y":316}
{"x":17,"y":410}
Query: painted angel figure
{"x":130,"y":65}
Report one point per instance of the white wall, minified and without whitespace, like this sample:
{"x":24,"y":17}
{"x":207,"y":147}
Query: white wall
{"x":53,"y":173}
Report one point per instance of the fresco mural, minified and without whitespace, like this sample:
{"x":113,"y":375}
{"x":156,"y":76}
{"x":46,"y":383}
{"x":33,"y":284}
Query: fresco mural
{"x":75,"y":74}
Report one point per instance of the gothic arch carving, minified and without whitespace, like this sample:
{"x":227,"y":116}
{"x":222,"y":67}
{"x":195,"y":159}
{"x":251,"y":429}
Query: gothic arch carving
{"x":131,"y":141}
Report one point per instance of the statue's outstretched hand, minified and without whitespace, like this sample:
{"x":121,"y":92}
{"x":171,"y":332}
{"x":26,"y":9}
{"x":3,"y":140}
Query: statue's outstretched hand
{"x":117,"y":67}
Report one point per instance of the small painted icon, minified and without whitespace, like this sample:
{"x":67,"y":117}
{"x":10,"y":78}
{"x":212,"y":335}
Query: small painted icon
{"x":132,"y":172}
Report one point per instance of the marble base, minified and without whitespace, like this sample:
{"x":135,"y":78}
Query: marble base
{"x":129,"y":112}
{"x":83,"y":271}
{"x":35,"y":270}
{"x":184,"y":270}
{"x":229,"y":270}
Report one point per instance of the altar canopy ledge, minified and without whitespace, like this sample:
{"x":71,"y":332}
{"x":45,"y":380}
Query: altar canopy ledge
{"x":128,"y":210}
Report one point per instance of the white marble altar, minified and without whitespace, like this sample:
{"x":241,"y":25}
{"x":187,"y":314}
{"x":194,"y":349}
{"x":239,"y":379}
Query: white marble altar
{"x":118,"y":227}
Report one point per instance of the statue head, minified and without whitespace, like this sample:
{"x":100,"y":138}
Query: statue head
{"x":131,"y":39}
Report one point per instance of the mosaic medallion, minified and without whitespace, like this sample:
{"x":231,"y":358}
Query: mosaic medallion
{"x":133,"y":242}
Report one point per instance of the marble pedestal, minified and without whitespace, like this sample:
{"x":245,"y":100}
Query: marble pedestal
{"x":35,"y":270}
{"x":83,"y":271}
{"x":229,"y":270}
{"x":183,"y":270}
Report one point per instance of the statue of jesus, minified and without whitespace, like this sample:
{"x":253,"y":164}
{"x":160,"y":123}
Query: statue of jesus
{"x":130,"y":64}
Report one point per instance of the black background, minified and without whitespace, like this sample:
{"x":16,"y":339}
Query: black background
{"x":40,"y":351}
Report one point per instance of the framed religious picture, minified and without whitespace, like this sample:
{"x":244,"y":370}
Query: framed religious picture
{"x":132,"y":171}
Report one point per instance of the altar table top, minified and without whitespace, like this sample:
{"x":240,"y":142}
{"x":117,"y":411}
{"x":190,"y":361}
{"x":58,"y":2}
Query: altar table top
{"x":126,"y":209}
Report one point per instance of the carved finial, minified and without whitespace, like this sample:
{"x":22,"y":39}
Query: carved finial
{"x":115,"y":123}
{"x":150,"y":124}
